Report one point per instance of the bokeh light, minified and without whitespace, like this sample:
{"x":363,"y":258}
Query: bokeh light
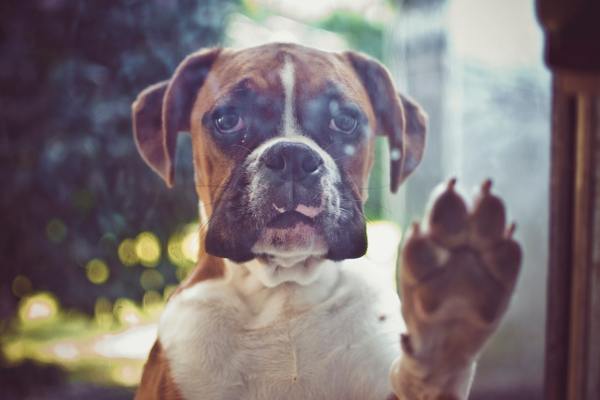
{"x":38,"y":307}
{"x":168,"y":291}
{"x":127,"y":252}
{"x":65,"y":351}
{"x":190,"y":243}
{"x":147,"y":249}
{"x":151,"y":279}
{"x":56,"y":230}
{"x":103,"y":312}
{"x":184,"y":245}
{"x":126,"y":312}
{"x":181,"y":273}
{"x":14,"y":351}
{"x":151,"y":298}
{"x":152,"y":303}
{"x":126,"y":375}
{"x":97,"y":271}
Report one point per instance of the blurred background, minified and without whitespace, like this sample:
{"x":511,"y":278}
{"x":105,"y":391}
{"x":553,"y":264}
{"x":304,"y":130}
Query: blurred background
{"x":93,"y":242}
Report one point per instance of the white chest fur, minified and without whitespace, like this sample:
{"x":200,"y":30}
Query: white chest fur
{"x":236,"y":339}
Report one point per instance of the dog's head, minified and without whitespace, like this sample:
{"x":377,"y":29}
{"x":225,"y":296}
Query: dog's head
{"x":283,"y":143}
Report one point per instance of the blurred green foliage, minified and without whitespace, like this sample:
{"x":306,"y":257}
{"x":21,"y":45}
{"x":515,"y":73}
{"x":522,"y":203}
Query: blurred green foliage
{"x":361,"y":34}
{"x":86,"y":225}
{"x":74,"y":186}
{"x":77,"y":198}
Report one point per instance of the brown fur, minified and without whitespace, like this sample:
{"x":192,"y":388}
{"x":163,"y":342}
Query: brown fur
{"x":162,"y":110}
{"x":157,"y":383}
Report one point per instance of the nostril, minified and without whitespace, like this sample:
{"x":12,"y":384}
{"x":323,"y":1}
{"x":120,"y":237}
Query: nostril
{"x":291,"y":161}
{"x":311,"y":163}
{"x":274,"y":161}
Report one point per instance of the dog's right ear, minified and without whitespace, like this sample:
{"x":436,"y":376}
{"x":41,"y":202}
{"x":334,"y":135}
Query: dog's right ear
{"x":162,"y":110}
{"x":399,"y":118}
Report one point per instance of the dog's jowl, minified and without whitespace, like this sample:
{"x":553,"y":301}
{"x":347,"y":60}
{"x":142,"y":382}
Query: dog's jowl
{"x":281,"y":305}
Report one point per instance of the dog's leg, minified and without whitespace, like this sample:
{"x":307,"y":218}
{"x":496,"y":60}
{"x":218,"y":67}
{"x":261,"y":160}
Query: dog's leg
{"x":456,"y":279}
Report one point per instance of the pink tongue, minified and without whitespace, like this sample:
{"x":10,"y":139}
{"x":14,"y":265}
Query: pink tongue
{"x":310,"y":212}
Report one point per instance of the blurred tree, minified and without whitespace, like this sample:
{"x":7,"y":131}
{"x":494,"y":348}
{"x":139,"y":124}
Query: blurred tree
{"x":361,"y":34}
{"x":73,"y":185}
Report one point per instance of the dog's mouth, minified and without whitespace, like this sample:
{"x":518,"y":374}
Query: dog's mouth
{"x":296,"y":226}
{"x":289,"y":219}
{"x":291,"y":234}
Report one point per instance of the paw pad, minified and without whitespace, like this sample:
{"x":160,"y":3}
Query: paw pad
{"x":464,"y":266}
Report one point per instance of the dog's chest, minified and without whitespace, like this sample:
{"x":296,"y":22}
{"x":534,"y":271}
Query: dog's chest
{"x":327,"y":341}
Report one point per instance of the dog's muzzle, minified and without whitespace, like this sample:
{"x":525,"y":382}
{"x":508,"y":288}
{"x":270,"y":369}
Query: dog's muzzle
{"x":294,"y":172}
{"x":288,"y":200}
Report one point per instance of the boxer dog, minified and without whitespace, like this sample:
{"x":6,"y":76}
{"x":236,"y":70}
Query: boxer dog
{"x":280,"y":305}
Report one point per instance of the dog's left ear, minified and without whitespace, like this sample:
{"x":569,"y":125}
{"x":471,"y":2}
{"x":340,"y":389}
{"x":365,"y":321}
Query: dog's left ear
{"x":399,"y":118}
{"x":162,"y":110}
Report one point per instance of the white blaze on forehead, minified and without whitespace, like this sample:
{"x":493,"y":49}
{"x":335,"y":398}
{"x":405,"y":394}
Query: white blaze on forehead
{"x":288,"y":81}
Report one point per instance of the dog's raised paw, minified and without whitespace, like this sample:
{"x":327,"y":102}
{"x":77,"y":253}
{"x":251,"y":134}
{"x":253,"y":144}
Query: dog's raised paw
{"x":457,"y":273}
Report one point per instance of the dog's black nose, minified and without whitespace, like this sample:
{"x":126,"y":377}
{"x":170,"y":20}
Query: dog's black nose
{"x":292,"y":161}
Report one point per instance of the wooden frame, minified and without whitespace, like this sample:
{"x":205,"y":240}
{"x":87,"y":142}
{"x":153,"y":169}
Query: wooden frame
{"x":572,"y":354}
{"x":573,"y":315}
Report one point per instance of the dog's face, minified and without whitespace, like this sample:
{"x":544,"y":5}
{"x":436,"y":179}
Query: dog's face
{"x":283,"y":140}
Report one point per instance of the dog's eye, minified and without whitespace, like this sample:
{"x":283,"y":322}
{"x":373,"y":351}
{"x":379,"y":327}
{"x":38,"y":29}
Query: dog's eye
{"x":344,"y":122}
{"x":228,"y":121}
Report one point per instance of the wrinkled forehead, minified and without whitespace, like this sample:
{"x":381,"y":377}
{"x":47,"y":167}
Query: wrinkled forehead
{"x":262,"y":68}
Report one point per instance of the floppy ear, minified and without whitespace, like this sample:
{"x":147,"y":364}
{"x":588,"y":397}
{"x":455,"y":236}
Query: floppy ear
{"x":162,"y":110}
{"x":399,"y":118}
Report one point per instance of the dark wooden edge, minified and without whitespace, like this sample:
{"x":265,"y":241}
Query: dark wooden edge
{"x":572,"y":369}
{"x":561,"y":222}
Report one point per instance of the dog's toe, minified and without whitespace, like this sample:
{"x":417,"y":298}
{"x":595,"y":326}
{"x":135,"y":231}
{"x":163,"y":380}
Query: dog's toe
{"x":488,"y":220}
{"x":503,"y":262}
{"x":448,"y":218}
{"x":421,"y":257}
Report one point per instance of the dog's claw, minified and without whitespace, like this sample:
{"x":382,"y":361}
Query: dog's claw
{"x":416,"y":228}
{"x":486,"y":186}
{"x":511,"y":230}
{"x":451,"y":184}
